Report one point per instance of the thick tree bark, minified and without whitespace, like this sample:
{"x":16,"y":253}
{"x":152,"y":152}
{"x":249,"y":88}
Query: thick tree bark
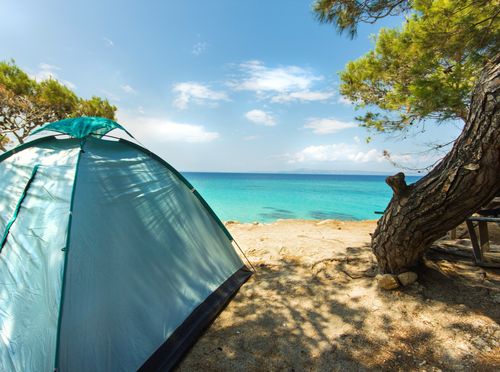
{"x":466,"y":179}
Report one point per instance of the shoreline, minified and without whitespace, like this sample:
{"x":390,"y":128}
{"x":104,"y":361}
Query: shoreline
{"x":296,"y":220}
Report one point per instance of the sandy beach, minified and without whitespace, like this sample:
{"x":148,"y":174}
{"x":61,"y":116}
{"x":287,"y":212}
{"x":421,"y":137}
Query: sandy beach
{"x":314,"y":305}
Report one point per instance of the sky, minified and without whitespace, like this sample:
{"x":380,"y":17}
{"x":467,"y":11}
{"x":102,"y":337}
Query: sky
{"x":220,"y":85}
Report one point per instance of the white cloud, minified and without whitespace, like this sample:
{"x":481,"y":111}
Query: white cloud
{"x":161,"y":130}
{"x":110,"y":95}
{"x":303,"y":96}
{"x":250,"y":138}
{"x":47,"y":71}
{"x":284,"y":79}
{"x":328,"y":125}
{"x":128,"y":89}
{"x":345,"y":101}
{"x":261,"y":117}
{"x":196,"y":92}
{"x":357,"y":140}
{"x":401,"y":158}
{"x":336,"y":152}
{"x":47,"y":67}
{"x":199,"y":48}
{"x":282,"y":84}
{"x":108,"y":42}
{"x":416,"y":160}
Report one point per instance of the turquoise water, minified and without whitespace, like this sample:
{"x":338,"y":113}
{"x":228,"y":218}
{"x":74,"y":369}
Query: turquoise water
{"x":248,"y":197}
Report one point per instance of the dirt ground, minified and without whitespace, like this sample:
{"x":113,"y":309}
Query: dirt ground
{"x":314,"y":305}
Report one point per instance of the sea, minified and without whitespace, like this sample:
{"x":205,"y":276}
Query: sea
{"x":266,"y":197}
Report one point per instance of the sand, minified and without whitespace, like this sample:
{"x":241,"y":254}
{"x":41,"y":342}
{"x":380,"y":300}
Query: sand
{"x":314,"y":306}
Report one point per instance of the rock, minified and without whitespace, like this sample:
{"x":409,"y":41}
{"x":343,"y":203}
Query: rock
{"x":387,"y":282}
{"x":407,"y":278}
{"x":227,"y":223}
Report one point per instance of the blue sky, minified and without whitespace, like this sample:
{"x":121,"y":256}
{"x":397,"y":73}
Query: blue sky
{"x":213,"y":85}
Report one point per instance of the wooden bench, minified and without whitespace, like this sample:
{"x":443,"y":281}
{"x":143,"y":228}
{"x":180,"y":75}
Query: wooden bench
{"x":484,"y":216}
{"x":481,"y":245}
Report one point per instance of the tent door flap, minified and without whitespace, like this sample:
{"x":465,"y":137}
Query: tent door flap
{"x":18,"y":207}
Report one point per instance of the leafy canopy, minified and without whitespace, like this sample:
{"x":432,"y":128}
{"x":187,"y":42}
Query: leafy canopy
{"x":424,"y":70}
{"x":347,"y":14}
{"x":26,"y":104}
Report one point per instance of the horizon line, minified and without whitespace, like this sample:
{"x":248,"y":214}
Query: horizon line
{"x":311,"y":173}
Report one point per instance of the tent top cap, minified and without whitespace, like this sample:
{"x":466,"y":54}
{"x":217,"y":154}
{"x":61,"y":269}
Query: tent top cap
{"x":83,"y":127}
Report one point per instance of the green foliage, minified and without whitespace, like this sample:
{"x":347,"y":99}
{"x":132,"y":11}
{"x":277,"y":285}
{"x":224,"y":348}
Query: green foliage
{"x":424,"y":70}
{"x":347,"y":14}
{"x":95,"y":106}
{"x":26,"y":104}
{"x":51,"y":93}
{"x":3,"y":142}
{"x":16,"y":80}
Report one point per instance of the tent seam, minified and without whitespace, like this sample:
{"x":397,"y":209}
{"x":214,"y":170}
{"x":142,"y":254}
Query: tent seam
{"x":17,"y":208}
{"x":65,"y":265}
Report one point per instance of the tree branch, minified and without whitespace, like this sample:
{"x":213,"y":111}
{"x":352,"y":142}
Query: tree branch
{"x":398,"y":184}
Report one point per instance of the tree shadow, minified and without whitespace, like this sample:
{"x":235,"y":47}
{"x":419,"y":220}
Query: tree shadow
{"x":328,"y":316}
{"x":459,"y":283}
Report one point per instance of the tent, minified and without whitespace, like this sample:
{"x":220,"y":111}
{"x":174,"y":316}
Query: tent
{"x":110,"y":260}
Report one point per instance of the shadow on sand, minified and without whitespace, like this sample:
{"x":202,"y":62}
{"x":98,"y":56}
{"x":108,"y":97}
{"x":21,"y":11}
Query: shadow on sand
{"x":330,"y":316}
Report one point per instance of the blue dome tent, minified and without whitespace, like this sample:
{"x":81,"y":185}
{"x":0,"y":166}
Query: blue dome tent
{"x":110,"y":260}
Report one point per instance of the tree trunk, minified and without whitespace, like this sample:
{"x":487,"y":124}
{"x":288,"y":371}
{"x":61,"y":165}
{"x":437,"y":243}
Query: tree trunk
{"x":466,"y":179}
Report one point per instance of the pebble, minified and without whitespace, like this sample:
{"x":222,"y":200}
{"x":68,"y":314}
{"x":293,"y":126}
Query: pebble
{"x":407,"y":278}
{"x":387,"y":281}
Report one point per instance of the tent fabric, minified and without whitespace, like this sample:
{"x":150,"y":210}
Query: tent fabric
{"x":82,"y":127}
{"x":32,"y":258}
{"x":186,"y":334}
{"x":114,"y":262}
{"x":161,"y":229}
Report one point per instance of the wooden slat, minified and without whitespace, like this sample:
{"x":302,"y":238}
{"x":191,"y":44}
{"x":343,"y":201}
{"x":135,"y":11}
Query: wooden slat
{"x":453,"y":234}
{"x":478,"y":255}
{"x":485,"y":219}
{"x":484,"y":236}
